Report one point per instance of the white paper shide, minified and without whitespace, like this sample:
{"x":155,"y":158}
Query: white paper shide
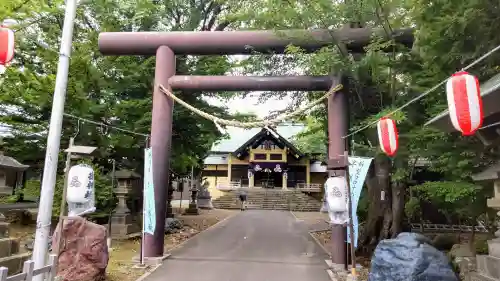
{"x":81,"y":193}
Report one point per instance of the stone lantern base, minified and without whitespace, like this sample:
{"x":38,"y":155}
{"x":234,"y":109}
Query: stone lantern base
{"x":488,"y":266}
{"x":122,"y":225}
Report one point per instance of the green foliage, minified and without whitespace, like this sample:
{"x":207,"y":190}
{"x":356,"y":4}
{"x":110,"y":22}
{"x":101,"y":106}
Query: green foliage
{"x":481,"y":246}
{"x":445,"y":192}
{"x":112,"y":90}
{"x":32,"y":189}
{"x":380,"y":81}
{"x":444,"y":242}
{"x":312,"y":140}
{"x":464,"y":199}
{"x":412,"y":207}
{"x":117,"y":90}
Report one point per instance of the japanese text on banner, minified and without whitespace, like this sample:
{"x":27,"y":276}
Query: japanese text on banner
{"x":149,"y":220}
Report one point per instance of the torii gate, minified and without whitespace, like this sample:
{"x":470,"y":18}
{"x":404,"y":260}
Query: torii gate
{"x":165,"y":45}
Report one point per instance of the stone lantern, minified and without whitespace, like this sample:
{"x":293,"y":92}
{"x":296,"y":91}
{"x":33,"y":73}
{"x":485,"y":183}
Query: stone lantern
{"x":194,"y":187}
{"x":123,"y":223}
{"x":204,"y":198}
{"x":488,"y":265}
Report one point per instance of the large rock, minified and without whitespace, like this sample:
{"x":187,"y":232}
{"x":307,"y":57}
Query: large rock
{"x":84,"y":255}
{"x":410,"y":257}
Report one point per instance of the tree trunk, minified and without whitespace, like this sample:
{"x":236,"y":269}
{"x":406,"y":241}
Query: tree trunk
{"x":398,"y":208}
{"x":398,"y":201}
{"x":379,"y":221}
{"x":472,"y":237}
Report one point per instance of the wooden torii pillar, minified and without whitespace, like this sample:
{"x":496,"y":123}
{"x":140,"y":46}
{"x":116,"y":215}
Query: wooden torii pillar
{"x":165,"y":45}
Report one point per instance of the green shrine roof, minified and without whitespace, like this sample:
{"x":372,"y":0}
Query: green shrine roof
{"x":239,"y":136}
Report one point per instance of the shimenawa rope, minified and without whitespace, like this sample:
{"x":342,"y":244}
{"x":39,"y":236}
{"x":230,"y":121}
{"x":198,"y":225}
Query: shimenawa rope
{"x":248,"y":125}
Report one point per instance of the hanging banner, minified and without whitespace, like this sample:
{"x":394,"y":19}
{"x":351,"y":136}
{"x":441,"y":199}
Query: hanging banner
{"x":149,"y":214}
{"x":358,"y":168}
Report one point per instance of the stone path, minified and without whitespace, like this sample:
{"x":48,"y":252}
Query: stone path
{"x":253,"y":245}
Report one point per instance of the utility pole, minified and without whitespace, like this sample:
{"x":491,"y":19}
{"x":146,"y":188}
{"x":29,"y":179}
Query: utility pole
{"x":53,"y":142}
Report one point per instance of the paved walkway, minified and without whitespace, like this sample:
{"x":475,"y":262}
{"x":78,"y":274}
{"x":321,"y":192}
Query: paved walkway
{"x":253,"y":245}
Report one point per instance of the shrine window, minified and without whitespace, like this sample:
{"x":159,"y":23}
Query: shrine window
{"x":260,"y":156}
{"x":276,"y":157}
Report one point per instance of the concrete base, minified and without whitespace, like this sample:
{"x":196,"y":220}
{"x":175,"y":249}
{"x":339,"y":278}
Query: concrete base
{"x":124,"y":230}
{"x":337,"y":272}
{"x":192,"y":210}
{"x":205,"y":203}
{"x":150,"y":260}
{"x":122,"y":225}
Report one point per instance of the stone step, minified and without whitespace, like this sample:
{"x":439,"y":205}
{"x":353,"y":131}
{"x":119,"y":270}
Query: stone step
{"x":269,"y":200}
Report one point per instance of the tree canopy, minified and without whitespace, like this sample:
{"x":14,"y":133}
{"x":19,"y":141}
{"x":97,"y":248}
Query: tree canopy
{"x":117,"y":90}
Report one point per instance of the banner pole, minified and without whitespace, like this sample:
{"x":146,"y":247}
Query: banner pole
{"x":146,"y":146}
{"x":351,"y":225}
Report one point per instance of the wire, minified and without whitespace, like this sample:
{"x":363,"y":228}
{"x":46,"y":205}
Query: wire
{"x":427,"y":92}
{"x":105,"y":125}
{"x":490,"y":125}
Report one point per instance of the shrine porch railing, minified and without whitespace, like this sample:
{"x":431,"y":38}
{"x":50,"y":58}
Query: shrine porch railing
{"x":233,"y":185}
{"x":49,"y":271}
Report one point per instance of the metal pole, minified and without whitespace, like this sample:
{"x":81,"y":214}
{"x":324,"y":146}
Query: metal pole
{"x":113,"y":172}
{"x":351,"y":226}
{"x":63,"y":198}
{"x":53,"y":142}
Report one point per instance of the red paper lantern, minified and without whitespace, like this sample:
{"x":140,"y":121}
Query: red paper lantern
{"x":387,"y":136}
{"x":464,"y":102}
{"x":6,"y":45}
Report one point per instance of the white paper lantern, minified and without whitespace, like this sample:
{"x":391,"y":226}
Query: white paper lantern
{"x":336,"y":197}
{"x":80,"y":196}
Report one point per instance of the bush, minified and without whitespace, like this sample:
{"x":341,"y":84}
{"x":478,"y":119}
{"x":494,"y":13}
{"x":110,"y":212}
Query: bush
{"x":31,"y":190}
{"x":481,"y":247}
{"x":444,"y":242}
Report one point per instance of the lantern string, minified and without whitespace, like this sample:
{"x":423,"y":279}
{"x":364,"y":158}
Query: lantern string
{"x":490,"y":125}
{"x":426,"y":93}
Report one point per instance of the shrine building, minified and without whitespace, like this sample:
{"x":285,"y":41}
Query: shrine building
{"x":262,"y":158}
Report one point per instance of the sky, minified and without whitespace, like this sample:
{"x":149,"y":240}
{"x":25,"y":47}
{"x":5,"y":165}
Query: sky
{"x":250,"y":104}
